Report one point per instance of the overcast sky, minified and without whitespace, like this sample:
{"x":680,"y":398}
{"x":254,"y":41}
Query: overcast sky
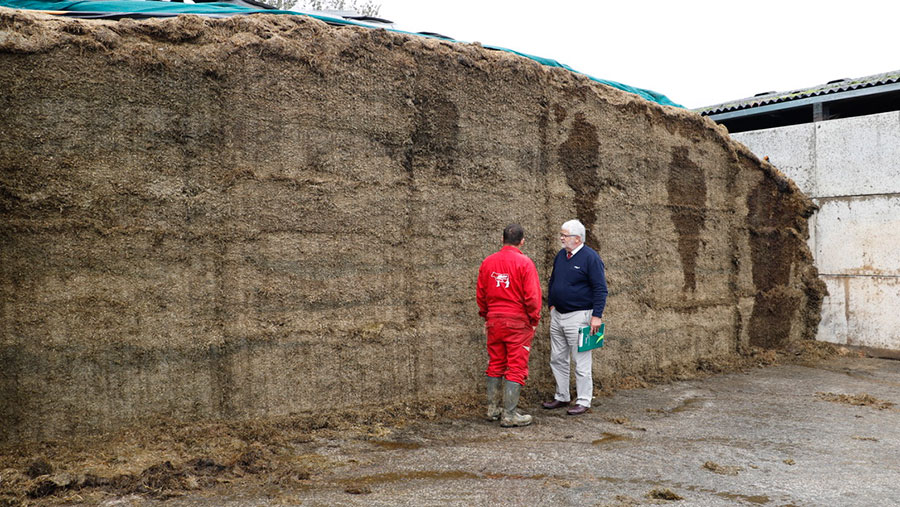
{"x":696,"y":52}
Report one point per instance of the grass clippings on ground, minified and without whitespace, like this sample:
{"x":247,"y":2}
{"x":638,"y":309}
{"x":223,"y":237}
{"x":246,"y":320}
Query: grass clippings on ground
{"x":859,"y":400}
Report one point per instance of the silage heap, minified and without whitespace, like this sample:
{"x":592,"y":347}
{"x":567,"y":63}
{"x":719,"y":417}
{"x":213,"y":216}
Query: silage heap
{"x":260,"y":216}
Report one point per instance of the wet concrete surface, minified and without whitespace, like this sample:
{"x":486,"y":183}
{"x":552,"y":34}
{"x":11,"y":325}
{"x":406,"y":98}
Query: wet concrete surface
{"x":763,"y":437}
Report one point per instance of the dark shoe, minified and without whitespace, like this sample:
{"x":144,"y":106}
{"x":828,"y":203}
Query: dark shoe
{"x":550,"y":405}
{"x":578,"y":410}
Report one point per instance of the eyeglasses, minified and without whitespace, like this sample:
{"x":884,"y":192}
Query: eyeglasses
{"x":570,"y":235}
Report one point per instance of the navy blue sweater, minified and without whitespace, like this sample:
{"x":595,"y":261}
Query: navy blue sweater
{"x":578,"y":283}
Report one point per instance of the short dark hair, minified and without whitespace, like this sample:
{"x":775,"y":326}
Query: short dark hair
{"x":513,"y":234}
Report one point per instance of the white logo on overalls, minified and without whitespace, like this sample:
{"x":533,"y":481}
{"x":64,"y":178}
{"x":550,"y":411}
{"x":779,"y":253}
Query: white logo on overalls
{"x":501,"y":278}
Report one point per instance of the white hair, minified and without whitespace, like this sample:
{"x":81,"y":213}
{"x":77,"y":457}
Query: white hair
{"x":574,"y":227}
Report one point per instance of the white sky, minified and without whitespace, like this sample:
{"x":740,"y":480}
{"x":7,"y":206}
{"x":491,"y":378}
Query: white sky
{"x":696,"y":52}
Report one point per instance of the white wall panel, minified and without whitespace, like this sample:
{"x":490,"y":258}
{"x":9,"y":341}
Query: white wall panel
{"x":858,"y":236}
{"x":790,"y":149}
{"x":861,"y":310}
{"x":858,"y":156}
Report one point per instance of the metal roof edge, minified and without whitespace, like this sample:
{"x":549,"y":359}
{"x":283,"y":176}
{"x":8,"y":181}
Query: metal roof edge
{"x":768,"y":108}
{"x":830,"y":88}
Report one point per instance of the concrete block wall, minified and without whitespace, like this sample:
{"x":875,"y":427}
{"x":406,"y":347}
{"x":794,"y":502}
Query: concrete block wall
{"x":851,"y":169}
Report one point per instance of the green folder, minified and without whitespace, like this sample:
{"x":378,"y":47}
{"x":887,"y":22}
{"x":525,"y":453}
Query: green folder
{"x":588,"y":341}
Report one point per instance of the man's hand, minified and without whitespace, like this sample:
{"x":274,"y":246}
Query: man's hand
{"x":595,"y":324}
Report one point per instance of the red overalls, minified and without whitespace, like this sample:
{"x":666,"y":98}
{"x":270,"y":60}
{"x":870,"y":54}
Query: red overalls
{"x":509,"y":299}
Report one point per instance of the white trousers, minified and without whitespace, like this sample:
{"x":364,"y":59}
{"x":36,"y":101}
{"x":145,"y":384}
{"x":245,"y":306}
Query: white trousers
{"x":564,"y":335}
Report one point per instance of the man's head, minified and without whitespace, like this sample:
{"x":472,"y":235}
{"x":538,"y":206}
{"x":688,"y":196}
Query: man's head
{"x":513,"y":235}
{"x":571,"y":234}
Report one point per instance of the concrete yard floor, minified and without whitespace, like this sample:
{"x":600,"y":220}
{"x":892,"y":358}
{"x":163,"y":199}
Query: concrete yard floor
{"x":779,"y":435}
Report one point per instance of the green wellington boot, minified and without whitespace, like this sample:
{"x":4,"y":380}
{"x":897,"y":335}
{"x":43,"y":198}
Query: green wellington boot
{"x":509,"y":417}
{"x":494,"y":392}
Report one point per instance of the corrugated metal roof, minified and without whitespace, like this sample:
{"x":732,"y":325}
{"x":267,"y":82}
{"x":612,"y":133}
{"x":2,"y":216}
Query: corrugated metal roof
{"x":837,"y":86}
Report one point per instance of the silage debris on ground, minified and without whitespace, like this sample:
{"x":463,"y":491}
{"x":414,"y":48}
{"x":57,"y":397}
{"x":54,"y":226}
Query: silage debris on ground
{"x":859,"y":400}
{"x":170,"y":458}
{"x":722,"y":469}
{"x":664,"y":494}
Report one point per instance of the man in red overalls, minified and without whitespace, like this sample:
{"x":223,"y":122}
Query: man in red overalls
{"x":509,"y":299}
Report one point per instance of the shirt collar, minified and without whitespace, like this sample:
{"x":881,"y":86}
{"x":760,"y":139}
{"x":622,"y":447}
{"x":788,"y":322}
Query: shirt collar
{"x":577,"y":249}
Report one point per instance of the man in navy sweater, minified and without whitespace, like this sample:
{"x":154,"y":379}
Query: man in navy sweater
{"x":576,"y":295}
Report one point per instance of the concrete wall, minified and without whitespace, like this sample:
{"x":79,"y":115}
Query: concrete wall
{"x":851,"y":169}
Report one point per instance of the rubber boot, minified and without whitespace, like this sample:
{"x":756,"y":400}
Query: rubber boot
{"x":494,"y":392}
{"x":509,"y":417}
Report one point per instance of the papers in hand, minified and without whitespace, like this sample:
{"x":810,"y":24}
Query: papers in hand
{"x":588,"y":341}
